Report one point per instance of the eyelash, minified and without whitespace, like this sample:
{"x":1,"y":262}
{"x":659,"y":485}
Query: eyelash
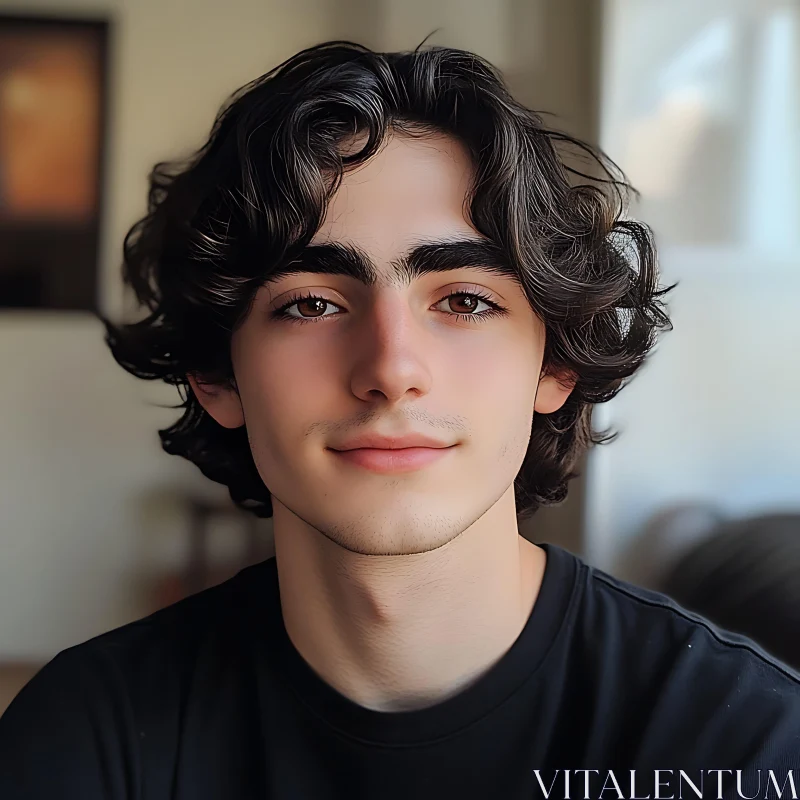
{"x":495,"y":309}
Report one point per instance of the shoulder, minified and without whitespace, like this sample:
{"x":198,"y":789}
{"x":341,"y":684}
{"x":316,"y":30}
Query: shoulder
{"x":164,"y":642}
{"x":718,"y":691}
{"x":640,"y":621}
{"x":155,"y":645}
{"x":92,"y":710}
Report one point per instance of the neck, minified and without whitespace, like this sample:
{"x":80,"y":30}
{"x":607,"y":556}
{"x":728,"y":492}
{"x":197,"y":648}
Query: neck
{"x":396,"y":633}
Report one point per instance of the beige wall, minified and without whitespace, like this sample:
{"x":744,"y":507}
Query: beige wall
{"x":85,"y":491}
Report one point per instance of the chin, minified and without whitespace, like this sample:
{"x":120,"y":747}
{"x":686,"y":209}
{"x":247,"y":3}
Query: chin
{"x":389,"y":537}
{"x":364,"y":548}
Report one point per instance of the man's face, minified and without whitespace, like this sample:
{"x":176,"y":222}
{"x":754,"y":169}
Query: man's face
{"x":390,"y":358}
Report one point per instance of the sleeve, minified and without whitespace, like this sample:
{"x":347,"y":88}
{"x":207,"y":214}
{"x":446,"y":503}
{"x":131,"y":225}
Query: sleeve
{"x":63,"y":734}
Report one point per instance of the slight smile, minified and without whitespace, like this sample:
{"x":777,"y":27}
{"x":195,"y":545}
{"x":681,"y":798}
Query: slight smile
{"x":382,"y":460}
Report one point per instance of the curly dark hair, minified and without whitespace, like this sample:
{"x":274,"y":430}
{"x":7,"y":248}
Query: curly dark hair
{"x":221,"y":222}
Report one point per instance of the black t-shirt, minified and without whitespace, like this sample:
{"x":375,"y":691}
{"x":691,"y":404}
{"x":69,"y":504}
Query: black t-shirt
{"x":208,"y":698}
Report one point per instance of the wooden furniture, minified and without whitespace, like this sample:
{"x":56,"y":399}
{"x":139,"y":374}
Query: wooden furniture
{"x":202,"y":570}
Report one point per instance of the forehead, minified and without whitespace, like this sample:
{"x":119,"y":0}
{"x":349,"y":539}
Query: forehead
{"x":413,"y":189}
{"x":400,"y":216}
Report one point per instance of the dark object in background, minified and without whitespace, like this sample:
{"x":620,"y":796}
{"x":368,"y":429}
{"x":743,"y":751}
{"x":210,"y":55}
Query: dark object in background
{"x":746,"y":578}
{"x":53,"y":76}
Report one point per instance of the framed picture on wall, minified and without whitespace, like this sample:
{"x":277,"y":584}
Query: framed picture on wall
{"x":53,"y":83}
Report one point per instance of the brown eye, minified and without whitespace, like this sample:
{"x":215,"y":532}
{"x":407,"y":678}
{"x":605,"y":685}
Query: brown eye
{"x":467,"y":302}
{"x":307,"y":308}
{"x":316,"y":305}
{"x":465,"y":306}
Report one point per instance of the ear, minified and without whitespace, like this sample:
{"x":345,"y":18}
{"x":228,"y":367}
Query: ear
{"x":221,"y":402}
{"x":553,"y":391}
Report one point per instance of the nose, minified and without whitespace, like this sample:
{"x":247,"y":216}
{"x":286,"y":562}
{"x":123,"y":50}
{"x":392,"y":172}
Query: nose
{"x":389,"y":351}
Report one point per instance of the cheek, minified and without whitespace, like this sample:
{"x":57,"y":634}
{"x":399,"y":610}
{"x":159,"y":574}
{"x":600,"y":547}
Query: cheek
{"x":501,"y":374}
{"x":283,"y":387}
{"x":500,"y":398}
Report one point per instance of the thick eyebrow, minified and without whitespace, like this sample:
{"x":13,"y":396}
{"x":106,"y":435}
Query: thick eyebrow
{"x":334,"y":258}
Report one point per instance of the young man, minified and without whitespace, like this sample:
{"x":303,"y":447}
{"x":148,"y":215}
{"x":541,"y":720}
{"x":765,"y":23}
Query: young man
{"x":392,"y":307}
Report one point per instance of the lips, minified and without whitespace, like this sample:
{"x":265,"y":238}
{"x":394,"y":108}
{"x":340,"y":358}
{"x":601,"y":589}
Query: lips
{"x":393,"y":460}
{"x":381,"y":442}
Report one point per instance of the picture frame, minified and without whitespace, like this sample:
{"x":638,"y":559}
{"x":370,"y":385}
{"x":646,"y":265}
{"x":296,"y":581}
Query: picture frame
{"x":53,"y":130}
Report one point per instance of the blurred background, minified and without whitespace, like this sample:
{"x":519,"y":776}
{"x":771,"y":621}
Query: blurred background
{"x":697,"y":100}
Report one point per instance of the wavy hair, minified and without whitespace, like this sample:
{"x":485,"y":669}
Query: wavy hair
{"x":220,"y":222}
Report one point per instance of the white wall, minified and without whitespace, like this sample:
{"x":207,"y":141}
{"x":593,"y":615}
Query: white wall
{"x":701,"y":106}
{"x":84,"y":507}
